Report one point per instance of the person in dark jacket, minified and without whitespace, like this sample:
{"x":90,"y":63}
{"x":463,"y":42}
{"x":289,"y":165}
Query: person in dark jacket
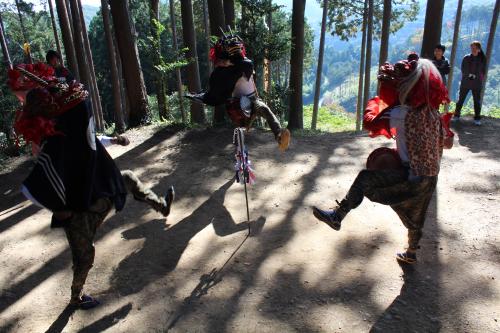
{"x":473,"y":70}
{"x":232,"y":83}
{"x":74,"y":177}
{"x":54,"y":60}
{"x":441,"y":62}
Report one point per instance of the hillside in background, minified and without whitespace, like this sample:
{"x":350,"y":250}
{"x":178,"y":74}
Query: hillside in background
{"x":89,"y":12}
{"x":341,"y":64}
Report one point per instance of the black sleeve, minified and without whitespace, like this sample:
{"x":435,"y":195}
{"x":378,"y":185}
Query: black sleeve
{"x":221,"y":85}
{"x":465,"y":66}
{"x":446,"y":67}
{"x":247,"y":67}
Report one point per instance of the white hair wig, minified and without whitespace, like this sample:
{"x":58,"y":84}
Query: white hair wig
{"x":425,"y":67}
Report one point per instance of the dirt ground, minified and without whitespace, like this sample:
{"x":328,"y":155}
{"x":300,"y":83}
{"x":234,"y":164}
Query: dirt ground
{"x":197,"y":271}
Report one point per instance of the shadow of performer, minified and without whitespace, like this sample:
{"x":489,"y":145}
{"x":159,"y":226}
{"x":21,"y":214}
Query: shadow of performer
{"x":163,"y":247}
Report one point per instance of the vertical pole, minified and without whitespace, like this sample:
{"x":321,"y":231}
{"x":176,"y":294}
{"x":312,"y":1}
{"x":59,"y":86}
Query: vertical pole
{"x":178,"y":70}
{"x":454,"y":47}
{"x":54,"y":27}
{"x":5,"y":50}
{"x":359,"y":105}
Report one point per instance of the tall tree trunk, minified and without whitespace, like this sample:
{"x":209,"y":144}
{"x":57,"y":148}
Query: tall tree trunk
{"x":360,"y":101}
{"x":68,"y":6}
{"x":296,"y":120}
{"x":178,"y":70}
{"x":206,"y":28}
{"x":489,"y":46}
{"x":269,"y":65}
{"x":21,"y":22}
{"x":157,"y":58}
{"x":78,"y":43}
{"x":67,"y":37}
{"x":386,"y":27}
{"x":229,"y":13}
{"x":81,"y":56}
{"x":115,"y":79}
{"x":91,"y":67}
{"x":320,"y":65}
{"x":454,"y":45}
{"x":216,"y":16}
{"x":5,"y":49}
{"x":189,"y":36}
{"x":54,"y":28}
{"x":132,"y":71}
{"x":27,"y":52}
{"x":432,"y":27}
{"x":368,"y":60}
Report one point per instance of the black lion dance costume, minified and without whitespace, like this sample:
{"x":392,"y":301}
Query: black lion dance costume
{"x":407,"y":110}
{"x":74,"y":176}
{"x":232,"y":84}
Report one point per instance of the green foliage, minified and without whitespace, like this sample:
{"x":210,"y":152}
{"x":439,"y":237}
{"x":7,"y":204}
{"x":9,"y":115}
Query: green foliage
{"x":332,"y":118}
{"x":277,"y":99}
{"x":345,"y":17}
{"x":148,"y":40}
{"x":38,"y":30}
{"x":173,"y":105}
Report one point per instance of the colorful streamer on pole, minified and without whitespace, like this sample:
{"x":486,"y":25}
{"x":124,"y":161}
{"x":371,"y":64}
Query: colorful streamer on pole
{"x":244,"y":173}
{"x":242,"y":166}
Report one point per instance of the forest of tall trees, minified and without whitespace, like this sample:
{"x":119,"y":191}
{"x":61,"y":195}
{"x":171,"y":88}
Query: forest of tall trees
{"x":137,"y":58}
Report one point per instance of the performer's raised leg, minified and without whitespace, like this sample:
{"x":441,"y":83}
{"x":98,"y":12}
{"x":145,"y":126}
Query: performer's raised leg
{"x":144,"y":194}
{"x":282,"y":135}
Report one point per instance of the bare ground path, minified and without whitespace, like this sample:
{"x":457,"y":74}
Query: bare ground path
{"x":293,"y":274}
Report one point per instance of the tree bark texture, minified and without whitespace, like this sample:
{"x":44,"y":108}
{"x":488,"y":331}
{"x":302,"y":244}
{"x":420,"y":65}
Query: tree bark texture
{"x":454,"y":44}
{"x":320,"y":65}
{"x":5,"y":49}
{"x":489,"y":45}
{"x":296,"y":120}
{"x":90,"y":61}
{"x":178,"y":70}
{"x":67,"y":37}
{"x":359,"y":104}
{"x":216,"y":17}
{"x":432,"y":27}
{"x":157,"y":59}
{"x":217,"y":24}
{"x":115,"y":78}
{"x":229,"y":16}
{"x":54,"y":28}
{"x":386,"y":27}
{"x":368,"y":59}
{"x":189,"y":36}
{"x":132,"y":71}
{"x":81,"y":57}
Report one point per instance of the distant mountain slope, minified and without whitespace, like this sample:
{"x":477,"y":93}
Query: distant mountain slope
{"x":89,"y":12}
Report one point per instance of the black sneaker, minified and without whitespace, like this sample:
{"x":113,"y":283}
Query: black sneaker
{"x":332,"y":218}
{"x":169,"y":198}
{"x":407,"y":257}
{"x":195,"y":97}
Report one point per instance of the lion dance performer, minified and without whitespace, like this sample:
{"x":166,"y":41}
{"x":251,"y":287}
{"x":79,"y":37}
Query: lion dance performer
{"x":405,"y":179}
{"x":74,"y":176}
{"x":232,"y":83}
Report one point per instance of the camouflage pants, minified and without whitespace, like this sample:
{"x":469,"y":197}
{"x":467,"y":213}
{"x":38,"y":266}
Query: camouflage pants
{"x":80,"y":231}
{"x":260,"y":109}
{"x":409,"y":199}
{"x":82,"y":227}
